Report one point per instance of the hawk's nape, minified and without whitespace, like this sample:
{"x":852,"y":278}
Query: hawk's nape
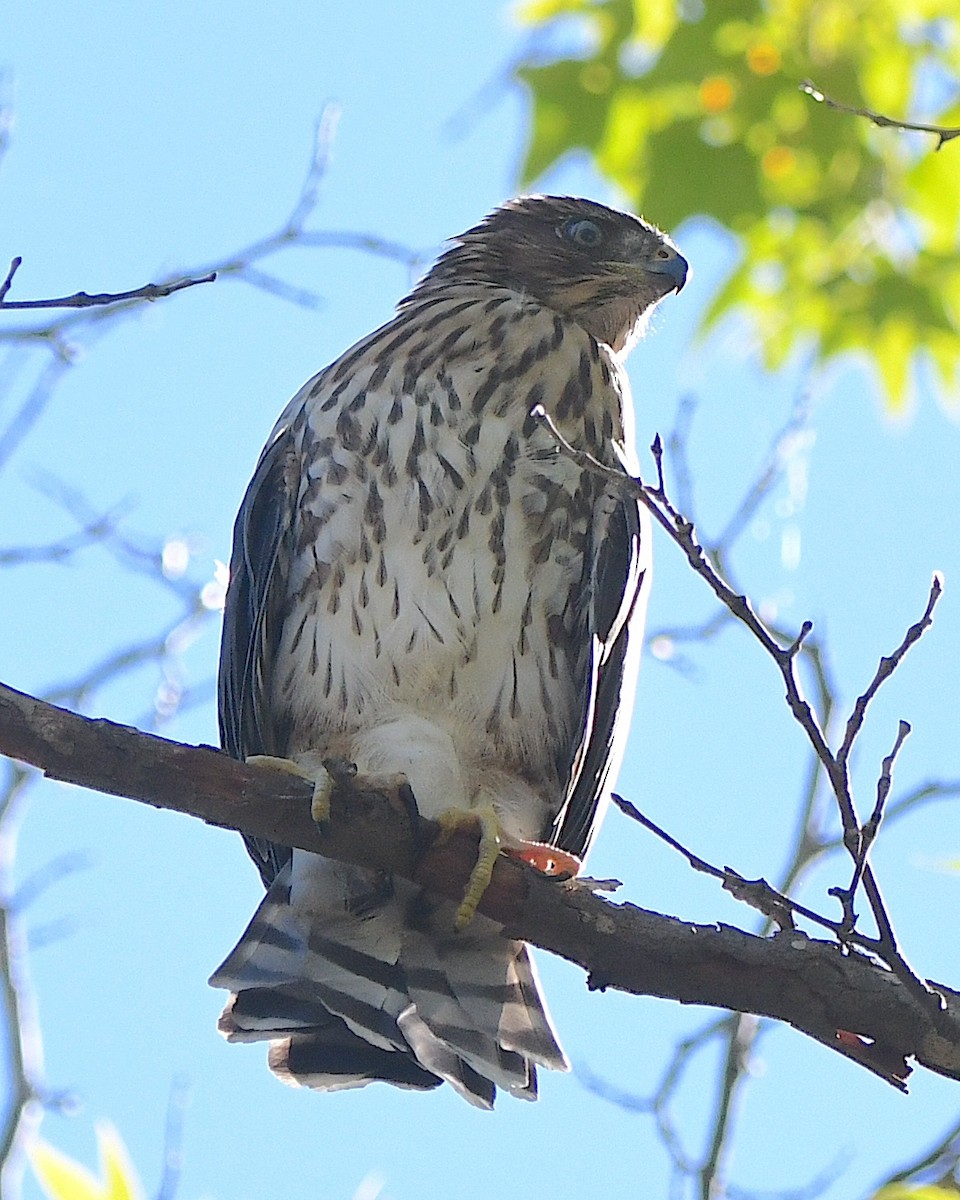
{"x":421,"y":583}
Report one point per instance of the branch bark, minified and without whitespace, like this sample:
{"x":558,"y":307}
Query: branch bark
{"x":844,"y":999}
{"x":149,"y":291}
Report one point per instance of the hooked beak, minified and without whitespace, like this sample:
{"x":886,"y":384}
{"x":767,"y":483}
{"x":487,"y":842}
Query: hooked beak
{"x":670,"y":262}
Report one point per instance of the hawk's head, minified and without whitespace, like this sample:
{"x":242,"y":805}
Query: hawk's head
{"x":602,"y":268}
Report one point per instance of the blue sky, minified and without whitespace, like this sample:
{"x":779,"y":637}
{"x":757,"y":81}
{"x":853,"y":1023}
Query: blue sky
{"x":154,"y":137}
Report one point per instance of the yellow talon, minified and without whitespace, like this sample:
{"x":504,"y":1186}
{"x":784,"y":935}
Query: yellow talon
{"x":311,"y":769}
{"x":320,"y":801}
{"x":490,"y":837}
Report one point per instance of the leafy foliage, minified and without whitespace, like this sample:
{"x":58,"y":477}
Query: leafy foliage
{"x":898,"y":1191}
{"x":63,"y":1179}
{"x":848,"y":230}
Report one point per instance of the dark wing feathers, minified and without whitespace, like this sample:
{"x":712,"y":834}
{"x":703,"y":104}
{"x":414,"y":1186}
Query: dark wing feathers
{"x":252,"y":618}
{"x":611,"y":595}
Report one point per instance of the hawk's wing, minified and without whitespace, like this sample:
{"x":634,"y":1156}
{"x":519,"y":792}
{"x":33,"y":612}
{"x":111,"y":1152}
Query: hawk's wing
{"x":253,"y":616}
{"x":614,"y":598}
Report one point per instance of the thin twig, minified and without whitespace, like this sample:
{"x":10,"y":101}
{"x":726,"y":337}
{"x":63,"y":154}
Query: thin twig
{"x":273,"y":285}
{"x":809,"y":842}
{"x":775,"y":905}
{"x":52,"y":552}
{"x":887,"y":666}
{"x":678,"y":441}
{"x":7,"y":283}
{"x":324,"y":136}
{"x":944,"y":133}
{"x":735,"y":1068}
{"x":658,"y":1102}
{"x":24,"y":1065}
{"x":681,"y":531}
{"x":924,"y":793}
{"x":797,"y":424}
{"x":172,"y":1162}
{"x":871,"y":827}
{"x":30,"y":411}
{"x":149,"y":291}
{"x":45,"y":877}
{"x":90,"y":313}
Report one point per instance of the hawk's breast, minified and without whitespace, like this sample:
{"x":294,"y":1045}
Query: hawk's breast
{"x":442,"y":544}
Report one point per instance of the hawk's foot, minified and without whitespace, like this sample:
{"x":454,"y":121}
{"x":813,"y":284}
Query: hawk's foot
{"x":549,"y":860}
{"x":315,"y":773}
{"x":488,"y":823}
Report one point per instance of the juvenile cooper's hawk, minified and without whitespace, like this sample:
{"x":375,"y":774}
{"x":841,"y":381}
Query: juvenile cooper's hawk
{"x":423,"y":583}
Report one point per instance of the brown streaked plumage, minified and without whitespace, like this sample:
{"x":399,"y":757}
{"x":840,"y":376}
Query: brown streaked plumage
{"x":421,"y":583}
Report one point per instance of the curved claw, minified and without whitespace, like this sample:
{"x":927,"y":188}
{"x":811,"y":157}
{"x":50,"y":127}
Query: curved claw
{"x":316,"y":773}
{"x":488,"y":823}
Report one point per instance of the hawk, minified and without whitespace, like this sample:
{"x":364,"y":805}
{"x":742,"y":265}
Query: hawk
{"x":423,"y":583}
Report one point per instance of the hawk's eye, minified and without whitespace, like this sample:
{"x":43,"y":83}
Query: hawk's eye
{"x":583,"y":233}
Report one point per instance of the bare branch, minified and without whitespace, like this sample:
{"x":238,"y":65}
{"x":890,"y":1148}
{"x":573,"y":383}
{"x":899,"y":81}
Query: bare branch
{"x":784,"y":443}
{"x":324,"y":136}
{"x":273,"y":285}
{"x":944,"y":133}
{"x":24,"y":1069}
{"x":678,"y":440}
{"x":33,"y":406}
{"x":739,"y":1048}
{"x":172,"y":1162}
{"x":25,"y":1094}
{"x":925,"y":793}
{"x":815,"y":986}
{"x":46,"y":876}
{"x":681,"y":531}
{"x":775,"y":905}
{"x":811,"y":841}
{"x":57,"y":551}
{"x":149,"y":291}
{"x":88,"y":316}
{"x":887,"y":666}
{"x":871,"y":828}
{"x":8,"y":282}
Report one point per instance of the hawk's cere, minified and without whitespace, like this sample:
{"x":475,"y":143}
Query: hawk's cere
{"x":422,"y":582}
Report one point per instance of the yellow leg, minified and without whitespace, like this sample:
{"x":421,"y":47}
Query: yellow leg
{"x":490,"y":837}
{"x":310,"y":769}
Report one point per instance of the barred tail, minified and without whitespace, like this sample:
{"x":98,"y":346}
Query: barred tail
{"x":370,"y":982}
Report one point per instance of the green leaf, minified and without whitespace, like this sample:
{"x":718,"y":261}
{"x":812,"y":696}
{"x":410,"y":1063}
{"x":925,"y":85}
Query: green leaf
{"x":849,"y":230}
{"x":559,"y":125}
{"x":64,"y":1179}
{"x":899,"y":1191}
{"x":893,"y":344}
{"x":60,"y":1177}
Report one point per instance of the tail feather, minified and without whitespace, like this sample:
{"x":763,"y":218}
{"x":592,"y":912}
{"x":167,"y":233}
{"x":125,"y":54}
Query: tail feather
{"x":319,"y":1049}
{"x":431,"y":989}
{"x":353,"y":981}
{"x":525,"y":1024}
{"x":254,"y":1012}
{"x":336,"y":1059}
{"x":431,"y":1051}
{"x":496,"y":983}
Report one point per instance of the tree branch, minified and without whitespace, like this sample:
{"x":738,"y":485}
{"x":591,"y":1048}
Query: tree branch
{"x":149,"y":291}
{"x":836,"y":765}
{"x":944,"y":133}
{"x":818,"y":987}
